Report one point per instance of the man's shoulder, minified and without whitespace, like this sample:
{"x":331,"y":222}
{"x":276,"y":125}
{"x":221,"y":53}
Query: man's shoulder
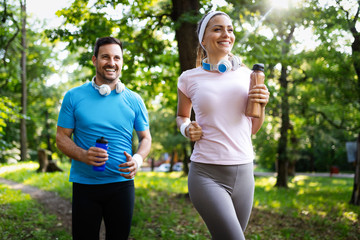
{"x":81,"y":87}
{"x":79,"y":91}
{"x":132,"y":94}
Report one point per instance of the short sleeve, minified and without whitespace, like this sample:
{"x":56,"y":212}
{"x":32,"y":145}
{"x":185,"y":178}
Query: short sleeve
{"x":141,"y":117}
{"x":183,"y":84}
{"x":66,"y":116}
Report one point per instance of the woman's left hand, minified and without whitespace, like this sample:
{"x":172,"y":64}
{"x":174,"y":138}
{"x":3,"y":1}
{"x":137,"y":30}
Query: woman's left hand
{"x":260,"y":94}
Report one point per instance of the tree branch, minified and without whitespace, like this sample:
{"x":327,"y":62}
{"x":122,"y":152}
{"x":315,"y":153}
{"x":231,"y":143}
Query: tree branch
{"x":291,"y":34}
{"x":5,"y":13}
{"x":337,"y":126}
{"x":352,"y":23}
{"x":11,"y":39}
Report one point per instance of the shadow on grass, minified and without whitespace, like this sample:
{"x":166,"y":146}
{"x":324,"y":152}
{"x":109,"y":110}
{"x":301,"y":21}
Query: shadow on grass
{"x":266,"y":224}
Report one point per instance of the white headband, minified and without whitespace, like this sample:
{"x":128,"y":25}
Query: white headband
{"x":204,"y":24}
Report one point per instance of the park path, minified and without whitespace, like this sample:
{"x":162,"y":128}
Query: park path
{"x":53,"y":203}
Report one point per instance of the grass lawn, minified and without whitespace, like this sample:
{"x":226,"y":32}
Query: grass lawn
{"x":312,"y":207}
{"x":24,"y":218}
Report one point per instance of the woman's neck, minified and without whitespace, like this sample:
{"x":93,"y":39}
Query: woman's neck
{"x":214,"y":59}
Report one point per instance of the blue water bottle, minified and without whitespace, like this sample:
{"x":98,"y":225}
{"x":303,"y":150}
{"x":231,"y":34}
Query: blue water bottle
{"x":101,"y":143}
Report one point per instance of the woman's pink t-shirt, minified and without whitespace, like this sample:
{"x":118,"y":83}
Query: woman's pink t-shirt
{"x":219,"y":101}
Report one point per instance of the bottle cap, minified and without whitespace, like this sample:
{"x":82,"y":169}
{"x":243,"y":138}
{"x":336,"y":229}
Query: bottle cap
{"x":102,"y":140}
{"x":258,"y":66}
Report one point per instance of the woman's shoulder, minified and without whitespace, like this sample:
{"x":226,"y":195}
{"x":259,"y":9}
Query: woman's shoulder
{"x":245,"y":69}
{"x":191,"y":71}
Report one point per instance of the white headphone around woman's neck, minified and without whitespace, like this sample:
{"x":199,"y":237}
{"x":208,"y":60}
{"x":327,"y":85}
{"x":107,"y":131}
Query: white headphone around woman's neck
{"x":224,"y":65}
{"x":105,"y":89}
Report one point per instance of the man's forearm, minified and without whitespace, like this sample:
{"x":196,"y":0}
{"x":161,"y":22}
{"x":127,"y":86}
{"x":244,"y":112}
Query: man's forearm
{"x":69,"y":148}
{"x":144,"y":147}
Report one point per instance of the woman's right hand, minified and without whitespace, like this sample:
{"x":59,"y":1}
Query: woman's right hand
{"x":194,"y":131}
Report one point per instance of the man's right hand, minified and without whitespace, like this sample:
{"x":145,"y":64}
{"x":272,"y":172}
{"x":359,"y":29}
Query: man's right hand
{"x":96,"y":156}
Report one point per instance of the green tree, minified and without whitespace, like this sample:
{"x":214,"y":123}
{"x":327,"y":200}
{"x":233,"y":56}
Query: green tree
{"x":335,"y":20}
{"x":40,"y":59}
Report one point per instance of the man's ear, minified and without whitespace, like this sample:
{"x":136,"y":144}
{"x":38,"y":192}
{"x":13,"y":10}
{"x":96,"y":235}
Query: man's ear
{"x":93,"y":59}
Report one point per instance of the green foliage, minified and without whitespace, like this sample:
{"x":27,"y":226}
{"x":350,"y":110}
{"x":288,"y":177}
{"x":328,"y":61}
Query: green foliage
{"x":42,"y":101}
{"x":165,"y":140}
{"x":9,"y":113}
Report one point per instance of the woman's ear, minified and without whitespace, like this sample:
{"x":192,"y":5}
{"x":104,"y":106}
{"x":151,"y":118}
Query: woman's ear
{"x":203,"y":43}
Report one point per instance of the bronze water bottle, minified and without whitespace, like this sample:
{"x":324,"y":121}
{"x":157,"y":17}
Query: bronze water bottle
{"x":253,"y":109}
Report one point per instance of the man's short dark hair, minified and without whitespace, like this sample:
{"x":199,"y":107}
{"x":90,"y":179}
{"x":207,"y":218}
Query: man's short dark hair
{"x":106,"y":40}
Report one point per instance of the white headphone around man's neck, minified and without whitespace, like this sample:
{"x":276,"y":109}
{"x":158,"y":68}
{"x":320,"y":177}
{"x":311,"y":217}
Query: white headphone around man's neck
{"x":105,"y":89}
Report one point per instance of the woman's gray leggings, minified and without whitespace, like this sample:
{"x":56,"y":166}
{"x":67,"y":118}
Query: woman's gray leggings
{"x":223,"y":196}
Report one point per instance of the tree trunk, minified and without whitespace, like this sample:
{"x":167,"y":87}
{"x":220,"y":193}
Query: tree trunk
{"x":23,"y":135}
{"x":187,"y":39}
{"x":186,"y":161}
{"x":152,"y":164}
{"x":172,"y":160}
{"x":185,"y":33}
{"x":282,"y":174}
{"x":311,"y":156}
{"x":45,"y":164}
{"x":48,"y":129}
{"x":355,"y":46}
{"x":285,"y":119}
{"x":355,"y":197}
{"x":43,"y":160}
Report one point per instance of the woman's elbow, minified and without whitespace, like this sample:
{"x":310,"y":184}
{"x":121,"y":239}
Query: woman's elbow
{"x":254,"y":131}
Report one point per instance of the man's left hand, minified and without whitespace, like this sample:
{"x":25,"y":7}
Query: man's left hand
{"x":129,"y":167}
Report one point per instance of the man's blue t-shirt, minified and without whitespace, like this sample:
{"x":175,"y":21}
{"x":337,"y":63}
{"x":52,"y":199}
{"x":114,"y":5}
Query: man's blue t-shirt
{"x":92,"y":116}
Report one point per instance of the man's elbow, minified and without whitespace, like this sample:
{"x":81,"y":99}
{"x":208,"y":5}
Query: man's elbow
{"x":146,"y":138}
{"x":149,"y":139}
